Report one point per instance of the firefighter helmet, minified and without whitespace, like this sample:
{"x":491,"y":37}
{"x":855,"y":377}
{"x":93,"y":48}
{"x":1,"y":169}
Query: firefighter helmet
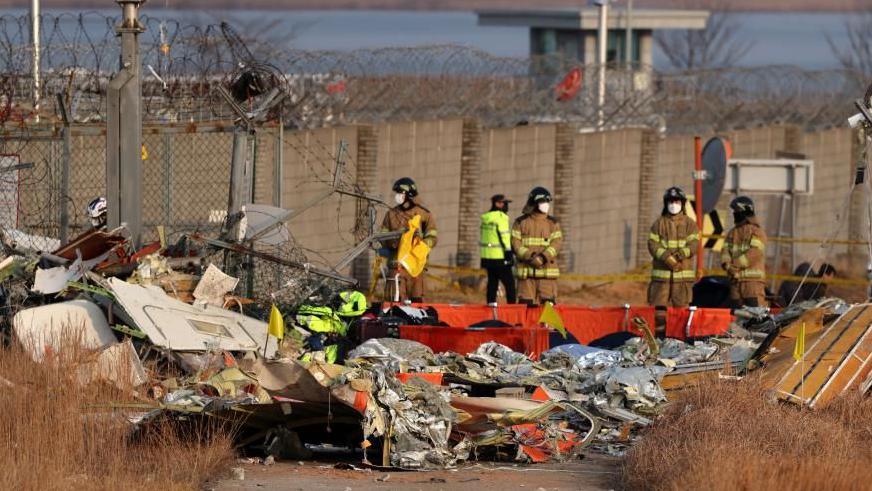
{"x":674,"y":194}
{"x":539,"y":195}
{"x":406,"y":185}
{"x":742,"y":205}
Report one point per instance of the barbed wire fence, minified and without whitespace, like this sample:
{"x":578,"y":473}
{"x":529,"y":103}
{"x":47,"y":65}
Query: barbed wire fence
{"x":188,"y":125}
{"x":183,"y":63}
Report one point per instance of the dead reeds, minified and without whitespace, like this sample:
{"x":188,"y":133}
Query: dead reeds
{"x":58,"y":433}
{"x":726,"y":435}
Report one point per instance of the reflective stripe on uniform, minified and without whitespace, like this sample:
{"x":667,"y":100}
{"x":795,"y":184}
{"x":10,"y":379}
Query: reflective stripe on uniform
{"x":752,"y":274}
{"x":535,"y":242}
{"x":665,"y":274}
{"x":557,"y":234}
{"x":659,"y":252}
{"x":522,"y":251}
{"x":686,"y":251}
{"x":541,"y":273}
{"x":548,"y":273}
{"x":672,"y":244}
{"x":743,"y":261}
{"x":551,"y":252}
{"x":738,"y":249}
{"x":517,"y":234}
{"x":491,"y":251}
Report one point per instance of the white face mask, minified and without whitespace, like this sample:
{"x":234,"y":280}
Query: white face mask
{"x":400,"y":198}
{"x":544,"y":207}
{"x":674,"y":208}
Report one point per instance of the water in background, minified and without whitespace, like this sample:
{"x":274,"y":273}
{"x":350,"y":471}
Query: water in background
{"x":779,"y":38}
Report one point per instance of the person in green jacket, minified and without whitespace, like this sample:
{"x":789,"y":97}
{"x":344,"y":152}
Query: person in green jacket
{"x":497,"y":257}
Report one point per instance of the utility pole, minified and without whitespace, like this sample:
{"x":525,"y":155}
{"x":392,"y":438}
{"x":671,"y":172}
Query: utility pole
{"x":124,"y":129}
{"x":629,"y":40}
{"x":34,"y":40}
{"x":602,"y":42}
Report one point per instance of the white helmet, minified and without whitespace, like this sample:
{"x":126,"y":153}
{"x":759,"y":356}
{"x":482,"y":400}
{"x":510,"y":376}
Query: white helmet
{"x":97,"y":211}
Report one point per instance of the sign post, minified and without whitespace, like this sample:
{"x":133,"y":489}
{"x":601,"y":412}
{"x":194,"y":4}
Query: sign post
{"x":700,"y":218}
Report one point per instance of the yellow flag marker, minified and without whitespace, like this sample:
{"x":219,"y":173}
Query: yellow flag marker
{"x":276,"y":323}
{"x":551,"y":318}
{"x":799,"y":347}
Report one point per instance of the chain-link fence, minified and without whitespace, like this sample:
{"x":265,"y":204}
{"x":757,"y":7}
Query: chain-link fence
{"x":185,"y":179}
{"x":31,"y":190}
{"x":50,"y":176}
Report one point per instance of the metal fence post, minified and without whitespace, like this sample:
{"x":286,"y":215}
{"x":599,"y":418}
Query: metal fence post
{"x":241,"y":187}
{"x":65,"y":172}
{"x":168,"y":179}
{"x":278,"y":166}
{"x":124,"y":129}
{"x":240,"y":173}
{"x":65,"y":186}
{"x":252,"y":166}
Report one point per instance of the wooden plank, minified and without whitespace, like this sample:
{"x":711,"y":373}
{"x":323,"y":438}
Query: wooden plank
{"x":779,"y":356}
{"x":854,"y":369}
{"x":837,"y":360}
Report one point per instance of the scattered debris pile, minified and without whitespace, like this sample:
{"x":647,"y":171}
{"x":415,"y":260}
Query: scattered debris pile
{"x":176,"y":332}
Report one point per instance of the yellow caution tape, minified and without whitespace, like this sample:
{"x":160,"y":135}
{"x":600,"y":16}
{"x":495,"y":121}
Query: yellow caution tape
{"x":645,"y":277}
{"x":799,"y":240}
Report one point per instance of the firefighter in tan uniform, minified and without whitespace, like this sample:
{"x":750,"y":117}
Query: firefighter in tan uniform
{"x":400,"y":285}
{"x":744,"y":256}
{"x":672,"y":243}
{"x":536,"y":240}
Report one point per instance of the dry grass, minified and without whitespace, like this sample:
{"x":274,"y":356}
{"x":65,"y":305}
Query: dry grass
{"x":724,"y":435}
{"x":58,"y":434}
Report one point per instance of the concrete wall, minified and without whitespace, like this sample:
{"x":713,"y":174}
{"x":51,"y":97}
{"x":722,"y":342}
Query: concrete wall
{"x":819,"y":213}
{"x":606,"y":201}
{"x":514,"y":161}
{"x":609,"y":184}
{"x":429,"y":153}
{"x":604,"y":220}
{"x":325,"y":231}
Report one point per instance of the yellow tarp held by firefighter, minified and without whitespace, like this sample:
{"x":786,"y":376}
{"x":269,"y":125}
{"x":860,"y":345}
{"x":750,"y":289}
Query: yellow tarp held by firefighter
{"x":413,"y":251}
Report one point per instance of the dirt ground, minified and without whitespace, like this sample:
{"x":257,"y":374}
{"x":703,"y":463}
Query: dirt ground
{"x":592,"y":473}
{"x":443,"y":289}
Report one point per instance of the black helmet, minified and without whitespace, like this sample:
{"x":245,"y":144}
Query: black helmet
{"x":499,"y":198}
{"x":406,"y":185}
{"x":539,"y":195}
{"x":742,"y":205}
{"x":674,"y":194}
